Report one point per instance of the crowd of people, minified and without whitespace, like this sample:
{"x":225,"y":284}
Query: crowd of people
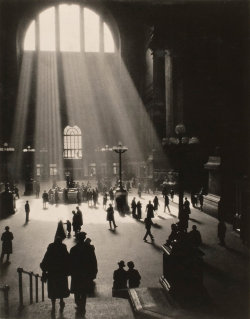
{"x":81,"y":264}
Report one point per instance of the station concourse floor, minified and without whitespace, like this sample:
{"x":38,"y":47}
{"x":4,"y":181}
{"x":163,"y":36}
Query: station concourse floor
{"x":226,"y":269}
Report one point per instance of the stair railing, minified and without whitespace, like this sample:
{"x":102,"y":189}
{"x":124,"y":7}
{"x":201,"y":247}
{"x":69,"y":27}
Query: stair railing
{"x":5,"y":289}
{"x":20,"y":284}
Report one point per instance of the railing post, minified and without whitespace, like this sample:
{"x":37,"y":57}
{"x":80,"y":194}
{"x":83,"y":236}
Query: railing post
{"x":36,"y":277}
{"x":31,"y":287}
{"x":20,"y":280}
{"x":42,"y":291}
{"x":6,"y":298}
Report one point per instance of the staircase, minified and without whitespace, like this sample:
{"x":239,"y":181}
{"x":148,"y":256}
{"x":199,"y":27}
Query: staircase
{"x":96,"y":308}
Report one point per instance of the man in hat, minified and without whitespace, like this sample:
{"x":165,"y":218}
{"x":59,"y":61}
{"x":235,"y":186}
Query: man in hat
{"x":83,"y":271}
{"x":120,"y":276}
{"x":6,"y":238}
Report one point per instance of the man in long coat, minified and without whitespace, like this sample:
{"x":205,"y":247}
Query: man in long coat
{"x":83,"y":271}
{"x":6,"y":238}
{"x":56,"y":265}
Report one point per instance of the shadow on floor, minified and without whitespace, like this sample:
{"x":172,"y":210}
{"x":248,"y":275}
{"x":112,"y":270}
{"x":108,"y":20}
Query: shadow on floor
{"x":155,"y":225}
{"x":195,"y":220}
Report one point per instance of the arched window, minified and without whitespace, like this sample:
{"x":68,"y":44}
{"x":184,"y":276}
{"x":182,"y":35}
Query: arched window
{"x":72,"y":142}
{"x":79,"y":29}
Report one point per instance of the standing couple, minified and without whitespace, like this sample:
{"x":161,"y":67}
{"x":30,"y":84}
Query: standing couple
{"x":80,"y":264}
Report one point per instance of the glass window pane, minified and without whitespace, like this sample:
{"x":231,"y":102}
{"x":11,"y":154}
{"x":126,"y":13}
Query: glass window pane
{"x":69,"y":28}
{"x":91,"y":31}
{"x":29,"y":41}
{"x":47,"y":30}
{"x":109,"y":45}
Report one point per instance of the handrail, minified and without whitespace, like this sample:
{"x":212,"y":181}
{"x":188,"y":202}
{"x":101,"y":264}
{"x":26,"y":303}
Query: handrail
{"x":5,"y":289}
{"x":21,"y":271}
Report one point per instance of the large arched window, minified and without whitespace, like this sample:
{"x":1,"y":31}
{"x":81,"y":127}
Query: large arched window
{"x":72,"y":142}
{"x":72,"y":28}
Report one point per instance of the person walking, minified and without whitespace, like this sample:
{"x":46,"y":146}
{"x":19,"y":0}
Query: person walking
{"x":150,"y":210}
{"x":56,"y":267}
{"x":83,"y":271}
{"x":27,"y":211}
{"x":148,"y":224}
{"x":110,"y":216}
{"x":166,"y":203}
{"x":6,"y":238}
{"x":134,"y":278}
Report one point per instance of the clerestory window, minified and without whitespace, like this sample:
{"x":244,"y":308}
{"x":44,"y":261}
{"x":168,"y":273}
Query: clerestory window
{"x":72,"y":28}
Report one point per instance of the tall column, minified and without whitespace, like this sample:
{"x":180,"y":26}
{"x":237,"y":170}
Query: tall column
{"x":177,"y":78}
{"x":169,"y":94}
{"x":158,"y":111}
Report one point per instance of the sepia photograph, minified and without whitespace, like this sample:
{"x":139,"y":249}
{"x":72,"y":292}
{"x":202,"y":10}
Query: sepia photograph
{"x":124,"y":159}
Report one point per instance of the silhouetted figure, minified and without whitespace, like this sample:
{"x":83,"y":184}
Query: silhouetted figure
{"x":68,"y":227}
{"x":120,"y":277}
{"x":16,"y":191}
{"x":166,"y":203}
{"x":186,"y":206}
{"x":95,"y":197}
{"x":134,"y":278}
{"x":56,"y":265}
{"x":75,"y":223}
{"x":172,"y":195}
{"x":138,"y":206}
{"x":105,"y":199}
{"x":156,"y":203}
{"x":45,"y":198}
{"x":78,"y":197}
{"x":60,"y":232}
{"x":27,"y":211}
{"x":83,"y":271}
{"x":201,"y":200}
{"x":56,"y":197}
{"x":193,"y":199}
{"x":148,"y":224}
{"x":79,"y":216}
{"x":173,"y":235}
{"x":6,"y":238}
{"x":111,"y":195}
{"x":195,"y":237}
{"x":150,"y":210}
{"x":222,"y":232}
{"x":133,"y":206}
{"x":110,"y":216}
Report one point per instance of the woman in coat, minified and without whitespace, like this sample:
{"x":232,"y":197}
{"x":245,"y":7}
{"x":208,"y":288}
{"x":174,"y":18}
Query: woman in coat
{"x":55,"y":267}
